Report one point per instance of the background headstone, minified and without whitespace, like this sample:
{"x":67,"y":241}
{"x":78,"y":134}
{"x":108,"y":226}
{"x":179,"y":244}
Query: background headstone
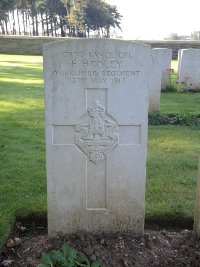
{"x":197,"y":205}
{"x":165,"y":64}
{"x":189,"y":69}
{"x":96,"y":95}
{"x":157,"y":56}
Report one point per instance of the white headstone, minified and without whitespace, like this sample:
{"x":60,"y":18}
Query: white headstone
{"x":189,"y":69}
{"x":165,"y":65}
{"x":96,"y":134}
{"x":197,"y":205}
{"x":157,"y":55}
{"x":179,"y":60}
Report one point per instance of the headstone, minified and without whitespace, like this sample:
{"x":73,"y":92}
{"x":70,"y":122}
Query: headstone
{"x":189,"y":69}
{"x":96,"y":93}
{"x":179,"y":60}
{"x":165,"y":65}
{"x":197,"y":205}
{"x":157,"y":55}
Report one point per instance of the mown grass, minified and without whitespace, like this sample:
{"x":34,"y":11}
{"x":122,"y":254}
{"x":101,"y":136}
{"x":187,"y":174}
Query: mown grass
{"x":174,"y":65}
{"x":180,"y":103}
{"x":22,"y":149}
{"x":173,"y":153}
{"x":172,"y":150}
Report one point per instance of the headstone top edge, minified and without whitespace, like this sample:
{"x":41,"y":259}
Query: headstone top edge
{"x":161,"y":48}
{"x":189,"y":49}
{"x":93,"y":40}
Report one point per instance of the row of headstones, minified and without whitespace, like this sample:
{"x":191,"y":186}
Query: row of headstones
{"x":188,"y":77}
{"x":96,"y":102}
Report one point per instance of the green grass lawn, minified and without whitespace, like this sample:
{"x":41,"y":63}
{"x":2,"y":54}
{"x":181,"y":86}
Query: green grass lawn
{"x":173,"y":153}
{"x":180,"y":103}
{"x":173,"y":102}
{"x":172,"y":150}
{"x":22,"y":144}
{"x":174,"y":65}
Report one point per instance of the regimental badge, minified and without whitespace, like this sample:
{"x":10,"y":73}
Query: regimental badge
{"x":97,"y":134}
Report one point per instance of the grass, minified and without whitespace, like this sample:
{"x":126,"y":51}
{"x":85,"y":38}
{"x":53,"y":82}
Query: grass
{"x":22,"y":150}
{"x":173,"y":153}
{"x":174,"y":65}
{"x":180,"y":103}
{"x":172,"y":150}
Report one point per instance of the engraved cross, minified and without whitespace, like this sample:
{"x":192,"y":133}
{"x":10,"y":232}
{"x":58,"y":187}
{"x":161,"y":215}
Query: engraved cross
{"x":96,"y":134}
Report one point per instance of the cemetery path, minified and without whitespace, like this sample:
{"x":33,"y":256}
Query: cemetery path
{"x":155,"y":248}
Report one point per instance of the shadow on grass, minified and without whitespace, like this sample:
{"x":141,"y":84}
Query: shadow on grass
{"x":21,"y":73}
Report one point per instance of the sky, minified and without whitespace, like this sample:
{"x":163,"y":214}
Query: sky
{"x":155,"y":19}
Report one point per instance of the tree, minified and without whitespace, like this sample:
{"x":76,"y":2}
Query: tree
{"x":112,"y":19}
{"x":95,"y":15}
{"x":72,"y":17}
{"x":5,"y":7}
{"x":55,"y":14}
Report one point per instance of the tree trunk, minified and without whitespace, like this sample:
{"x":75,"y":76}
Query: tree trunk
{"x":88,"y":32}
{"x":42,"y":20}
{"x":51,"y":24}
{"x":14,"y":29}
{"x":69,"y":31}
{"x":10,"y":24}
{"x":6,"y":25}
{"x":29,"y":24}
{"x":36,"y":25}
{"x":108,"y":32}
{"x":33,"y":22}
{"x":47,"y":22}
{"x":55,"y":26}
{"x":62,"y":33}
{"x":18,"y":22}
{"x":2,"y":27}
{"x":24,"y":26}
{"x":102,"y":32}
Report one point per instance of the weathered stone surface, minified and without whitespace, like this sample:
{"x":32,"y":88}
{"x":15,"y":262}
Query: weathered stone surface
{"x":96,"y":94}
{"x":189,"y":69}
{"x":197,"y":205}
{"x":165,"y":65}
{"x":157,"y":56}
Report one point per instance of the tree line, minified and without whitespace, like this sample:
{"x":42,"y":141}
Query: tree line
{"x":73,"y":18}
